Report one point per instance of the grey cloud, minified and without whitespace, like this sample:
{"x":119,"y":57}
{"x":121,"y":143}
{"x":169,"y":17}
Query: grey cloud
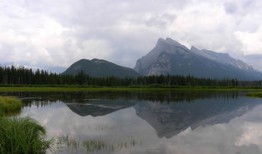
{"x":160,"y":21}
{"x":231,"y":8}
{"x":254,"y":60}
{"x":248,"y":4}
{"x":242,"y":7}
{"x":120,"y":30}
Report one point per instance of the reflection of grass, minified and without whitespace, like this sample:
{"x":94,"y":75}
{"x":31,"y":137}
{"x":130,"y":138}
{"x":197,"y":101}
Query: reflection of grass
{"x":68,"y":142}
{"x":9,"y":105}
{"x":90,"y":145}
{"x":21,"y":135}
{"x":94,"y":145}
{"x":255,"y":94}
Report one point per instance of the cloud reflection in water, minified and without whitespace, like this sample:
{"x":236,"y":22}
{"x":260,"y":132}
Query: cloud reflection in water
{"x":238,"y":131}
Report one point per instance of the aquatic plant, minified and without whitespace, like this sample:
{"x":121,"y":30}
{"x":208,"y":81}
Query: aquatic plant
{"x":94,"y":145}
{"x":255,"y":94}
{"x":66,"y":143}
{"x":22,"y":135}
{"x":9,"y":105}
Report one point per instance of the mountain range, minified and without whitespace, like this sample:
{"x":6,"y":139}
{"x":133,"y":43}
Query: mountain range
{"x":169,"y":57}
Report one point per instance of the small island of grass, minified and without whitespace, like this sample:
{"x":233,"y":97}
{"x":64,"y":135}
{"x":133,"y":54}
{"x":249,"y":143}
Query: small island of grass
{"x":255,"y":94}
{"x":19,"y":135}
{"x":9,"y":105}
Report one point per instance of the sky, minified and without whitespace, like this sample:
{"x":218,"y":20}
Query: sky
{"x":56,"y":33}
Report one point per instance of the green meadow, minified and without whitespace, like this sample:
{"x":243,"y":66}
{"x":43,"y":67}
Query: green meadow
{"x":131,"y":88}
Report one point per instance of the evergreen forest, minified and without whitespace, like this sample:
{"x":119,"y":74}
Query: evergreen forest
{"x":24,"y":76}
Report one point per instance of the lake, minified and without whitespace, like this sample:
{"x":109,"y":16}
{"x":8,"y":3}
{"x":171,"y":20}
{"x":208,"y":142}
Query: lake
{"x":165,"y":122}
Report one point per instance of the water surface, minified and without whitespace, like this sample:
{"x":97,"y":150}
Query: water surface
{"x":182,"y":122}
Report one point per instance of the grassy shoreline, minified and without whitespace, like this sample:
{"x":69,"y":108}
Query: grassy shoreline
{"x":255,"y":94}
{"x":19,"y":135}
{"x":9,"y":105}
{"x":86,"y":88}
{"x":24,"y":135}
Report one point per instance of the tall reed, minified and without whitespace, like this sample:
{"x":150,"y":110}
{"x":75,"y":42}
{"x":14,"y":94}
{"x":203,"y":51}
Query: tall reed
{"x":19,"y":135}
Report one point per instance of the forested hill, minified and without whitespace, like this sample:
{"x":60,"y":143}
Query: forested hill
{"x":24,"y":76}
{"x":100,"y":68}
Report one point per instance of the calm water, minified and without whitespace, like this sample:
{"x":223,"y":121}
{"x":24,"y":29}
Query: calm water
{"x":148,"y":122}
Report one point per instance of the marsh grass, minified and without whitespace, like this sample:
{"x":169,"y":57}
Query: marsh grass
{"x":9,"y":105}
{"x":130,"y":88}
{"x":255,"y":94}
{"x":94,"y":145}
{"x":22,"y":135}
{"x":66,"y":143}
{"x":19,"y":135}
{"x":1,"y":112}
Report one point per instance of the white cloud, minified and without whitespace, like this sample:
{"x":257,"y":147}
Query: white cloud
{"x":251,"y":135}
{"x":252,"y":42}
{"x":93,"y":48}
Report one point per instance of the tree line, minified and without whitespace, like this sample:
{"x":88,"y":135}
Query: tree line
{"x":24,"y":76}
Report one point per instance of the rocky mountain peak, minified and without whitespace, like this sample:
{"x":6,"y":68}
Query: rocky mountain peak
{"x":193,"y":48}
{"x":171,"y":57}
{"x":168,"y":42}
{"x":173,"y":42}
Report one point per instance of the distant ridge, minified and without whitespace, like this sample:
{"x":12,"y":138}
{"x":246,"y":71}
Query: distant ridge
{"x":171,"y":57}
{"x":100,"y":68}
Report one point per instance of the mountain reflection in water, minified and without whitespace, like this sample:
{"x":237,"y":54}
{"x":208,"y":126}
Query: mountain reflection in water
{"x":159,"y":122}
{"x":98,"y":107}
{"x":169,"y":119}
{"x":168,"y":112}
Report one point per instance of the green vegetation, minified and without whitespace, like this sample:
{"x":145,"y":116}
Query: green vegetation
{"x":11,"y":76}
{"x":19,"y":135}
{"x":94,"y":145}
{"x":9,"y":105}
{"x":255,"y":94}
{"x":91,"y":145}
{"x":134,"y":88}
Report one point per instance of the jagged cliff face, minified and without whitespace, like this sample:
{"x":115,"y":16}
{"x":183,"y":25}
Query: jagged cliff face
{"x":157,"y":60}
{"x":171,"y":57}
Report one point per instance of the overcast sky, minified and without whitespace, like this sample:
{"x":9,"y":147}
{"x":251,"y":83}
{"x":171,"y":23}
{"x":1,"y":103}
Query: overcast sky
{"x":60,"y":32}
